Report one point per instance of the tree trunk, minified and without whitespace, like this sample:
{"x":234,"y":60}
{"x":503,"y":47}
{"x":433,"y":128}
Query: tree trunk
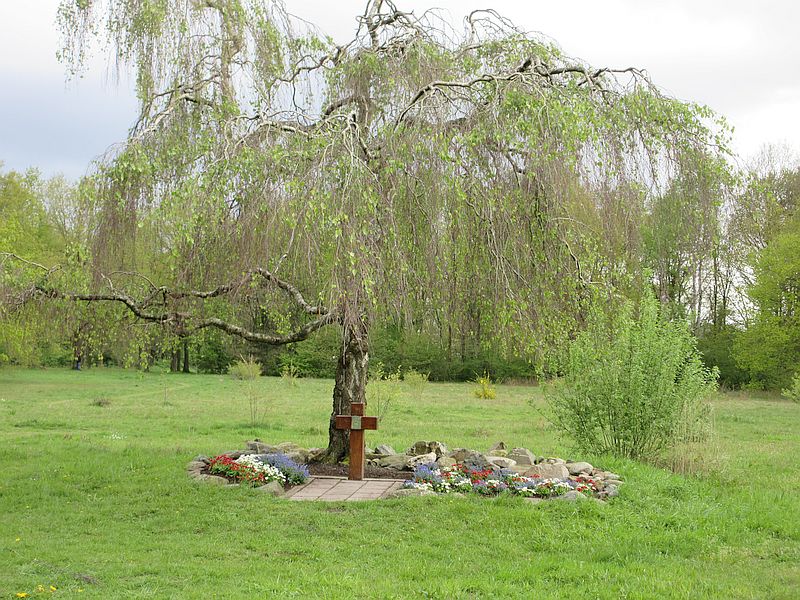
{"x":350,"y":386}
{"x":186,"y":356}
{"x":173,"y":365}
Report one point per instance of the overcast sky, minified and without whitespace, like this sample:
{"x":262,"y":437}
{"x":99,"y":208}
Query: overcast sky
{"x":742,"y":58}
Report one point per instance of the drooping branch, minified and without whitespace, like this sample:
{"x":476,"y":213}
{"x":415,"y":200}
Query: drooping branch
{"x":263,"y":338}
{"x":184,"y":323}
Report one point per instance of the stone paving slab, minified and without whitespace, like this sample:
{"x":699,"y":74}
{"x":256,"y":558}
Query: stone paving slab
{"x":338,"y":489}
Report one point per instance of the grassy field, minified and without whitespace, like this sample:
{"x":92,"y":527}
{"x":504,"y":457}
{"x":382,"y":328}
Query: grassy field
{"x":101,"y":492}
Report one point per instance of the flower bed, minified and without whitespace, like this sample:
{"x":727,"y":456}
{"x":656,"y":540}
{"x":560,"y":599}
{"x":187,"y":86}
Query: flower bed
{"x":492,"y":482}
{"x":259,"y":469}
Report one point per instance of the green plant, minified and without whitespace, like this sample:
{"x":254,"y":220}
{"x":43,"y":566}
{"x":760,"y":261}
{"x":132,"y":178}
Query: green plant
{"x":248,"y":371}
{"x":289,"y":374}
{"x":383,"y":390}
{"x":245,"y":369}
{"x":793,"y":392}
{"x":483,"y":387}
{"x":415,"y":382}
{"x":634,"y":386}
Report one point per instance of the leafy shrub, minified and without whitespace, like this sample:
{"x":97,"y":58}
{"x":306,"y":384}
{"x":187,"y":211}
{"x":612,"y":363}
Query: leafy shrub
{"x":245,"y":369}
{"x":793,"y":392}
{"x":634,"y":387}
{"x":248,"y":371}
{"x":484,"y":388}
{"x":289,"y":374}
{"x":383,"y":390}
{"x":415,"y":382}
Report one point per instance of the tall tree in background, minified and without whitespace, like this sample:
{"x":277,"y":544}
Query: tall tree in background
{"x":417,"y":173}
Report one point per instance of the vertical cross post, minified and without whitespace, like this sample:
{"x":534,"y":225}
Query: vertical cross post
{"x":356,"y":422}
{"x":356,"y":443}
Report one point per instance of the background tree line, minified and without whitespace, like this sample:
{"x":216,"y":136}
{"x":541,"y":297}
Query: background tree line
{"x":720,"y":248}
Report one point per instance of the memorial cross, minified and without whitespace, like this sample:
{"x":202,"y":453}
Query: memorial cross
{"x":356,"y":422}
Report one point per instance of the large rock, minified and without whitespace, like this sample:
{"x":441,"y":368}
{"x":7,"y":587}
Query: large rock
{"x":498,"y":449}
{"x":394,"y":461}
{"x":572,"y":496}
{"x":577,"y":468}
{"x":410,"y":492}
{"x":555,"y":461}
{"x":548,"y":471}
{"x":315,"y":453}
{"x":385,"y":450}
{"x":423,"y":447}
{"x":300,"y":456}
{"x":422,"y":459}
{"x":273,"y":488}
{"x":196,"y":466}
{"x":502,"y":462}
{"x":287,"y":447}
{"x":260,"y":447}
{"x":445,"y":462}
{"x":522,"y":456}
{"x":470,"y":457}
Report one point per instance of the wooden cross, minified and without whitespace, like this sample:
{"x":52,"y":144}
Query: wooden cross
{"x":356,"y":422}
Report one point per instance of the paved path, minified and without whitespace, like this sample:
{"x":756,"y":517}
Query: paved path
{"x":335,"y":489}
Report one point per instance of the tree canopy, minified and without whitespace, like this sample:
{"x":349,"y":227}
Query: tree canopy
{"x":479,"y":182}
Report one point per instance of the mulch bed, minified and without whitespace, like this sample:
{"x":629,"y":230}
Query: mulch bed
{"x":370,"y":471}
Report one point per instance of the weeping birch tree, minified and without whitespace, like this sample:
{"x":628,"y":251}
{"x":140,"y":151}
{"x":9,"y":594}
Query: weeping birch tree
{"x":420,"y":172}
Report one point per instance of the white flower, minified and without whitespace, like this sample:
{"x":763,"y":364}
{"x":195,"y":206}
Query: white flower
{"x":270,"y":473}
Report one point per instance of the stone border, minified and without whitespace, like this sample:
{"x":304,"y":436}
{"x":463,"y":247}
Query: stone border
{"x":521,"y":460}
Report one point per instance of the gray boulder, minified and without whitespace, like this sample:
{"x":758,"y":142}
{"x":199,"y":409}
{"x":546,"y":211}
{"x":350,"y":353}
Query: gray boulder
{"x":196,"y":466}
{"x":394,"y":461}
{"x":498,"y":449}
{"x":548,"y":471}
{"x":315,"y":453}
{"x":422,"y":459}
{"x":522,"y":456}
{"x":501,"y":462}
{"x":469,"y":457}
{"x":446,"y":462}
{"x":572,"y":496}
{"x":273,"y":488}
{"x":300,"y":456}
{"x":260,"y":447}
{"x":577,"y":468}
{"x":385,"y":450}
{"x":287,"y":447}
{"x":410,"y":493}
{"x":423,"y":447}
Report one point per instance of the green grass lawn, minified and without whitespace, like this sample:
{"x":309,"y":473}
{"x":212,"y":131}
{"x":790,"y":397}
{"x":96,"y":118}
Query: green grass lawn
{"x":101,"y":491}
